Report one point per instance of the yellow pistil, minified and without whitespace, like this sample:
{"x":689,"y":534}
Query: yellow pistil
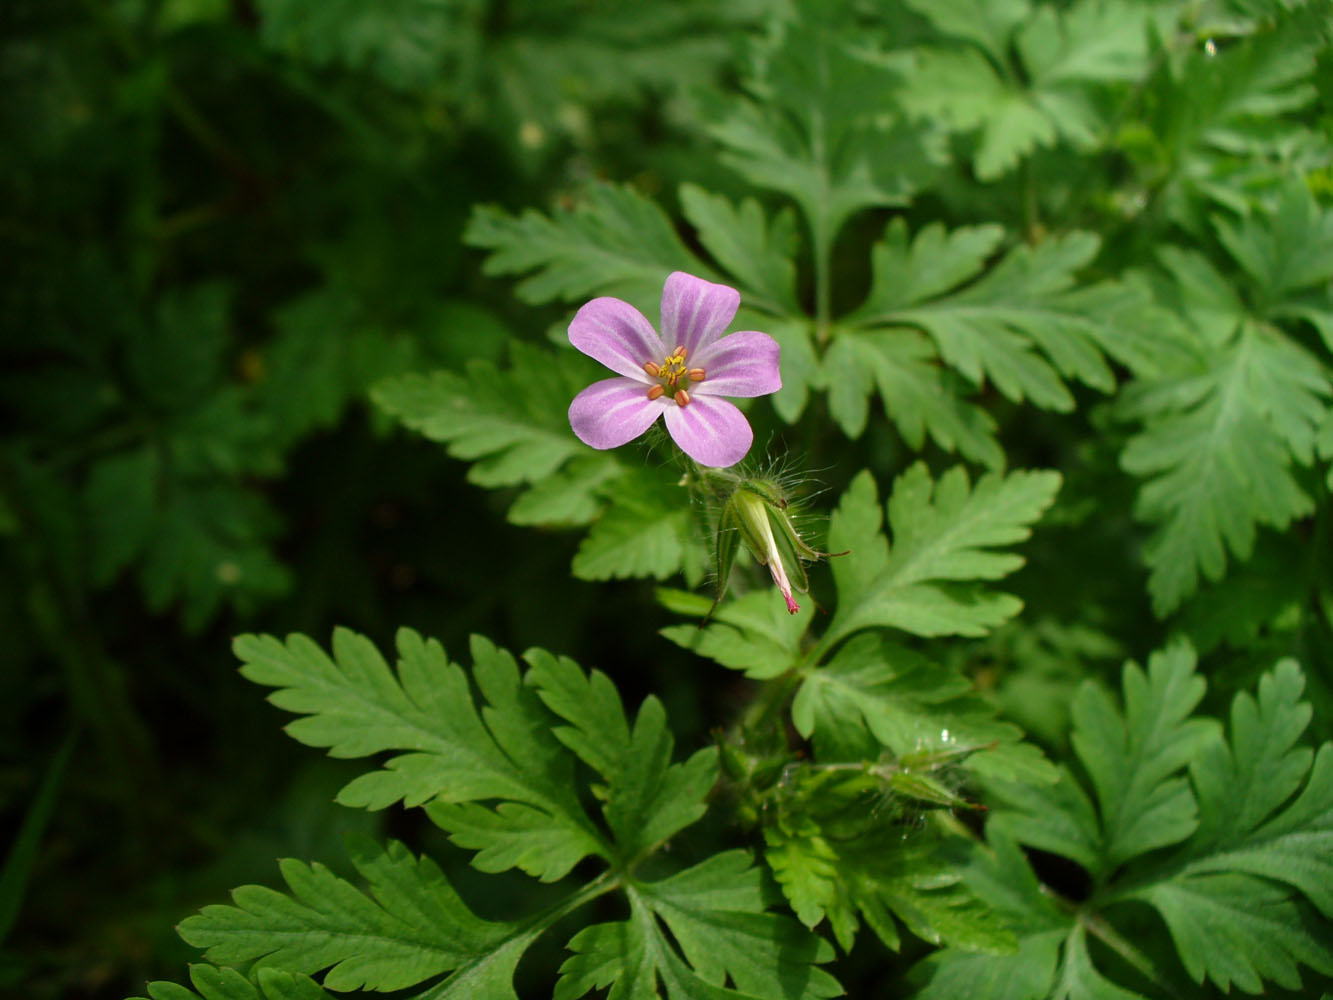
{"x":672,"y":370}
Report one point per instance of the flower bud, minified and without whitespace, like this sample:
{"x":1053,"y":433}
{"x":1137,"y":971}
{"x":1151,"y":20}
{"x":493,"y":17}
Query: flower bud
{"x":757,"y":515}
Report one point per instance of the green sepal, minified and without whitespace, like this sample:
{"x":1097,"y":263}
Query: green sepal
{"x":728,"y":541}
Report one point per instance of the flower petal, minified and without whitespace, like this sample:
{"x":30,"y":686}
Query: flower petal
{"x":695,"y":312}
{"x":710,"y":430}
{"x":613,"y":411}
{"x":619,"y":336}
{"x":740,"y":364}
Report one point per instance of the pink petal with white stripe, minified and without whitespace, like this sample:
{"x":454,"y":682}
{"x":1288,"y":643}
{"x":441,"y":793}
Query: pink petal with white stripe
{"x":613,"y":412}
{"x":710,"y":430}
{"x":619,"y":336}
{"x":740,"y":364}
{"x":695,"y":312}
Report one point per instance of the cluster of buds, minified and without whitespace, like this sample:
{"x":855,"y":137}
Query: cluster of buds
{"x":756,"y":513}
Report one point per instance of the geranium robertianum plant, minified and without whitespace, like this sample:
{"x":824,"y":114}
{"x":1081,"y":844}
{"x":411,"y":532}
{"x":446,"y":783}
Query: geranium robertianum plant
{"x":1082,"y":237}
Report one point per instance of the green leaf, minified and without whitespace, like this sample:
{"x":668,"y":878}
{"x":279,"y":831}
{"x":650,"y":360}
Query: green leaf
{"x":1091,"y":40}
{"x":171,"y":504}
{"x":715,"y":915}
{"x":177,"y":359}
{"x":755,"y":251}
{"x":409,"y":925}
{"x":902,"y":701}
{"x":1225,"y":119}
{"x":22,"y":853}
{"x":961,"y":89}
{"x":328,"y":350}
{"x":210,"y":544}
{"x":989,"y":25}
{"x":1047,"y":93}
{"x":120,"y":499}
{"x":1024,"y":324}
{"x":1241,"y":853}
{"x":228,"y":984}
{"x":918,"y":396}
{"x":356,"y":706}
{"x":880,"y":876}
{"x":1219,"y":439}
{"x":647,"y":529}
{"x":511,"y":424}
{"x":753,"y":633}
{"x":1267,"y":934}
{"x":1134,"y":762}
{"x":1222,"y":434}
{"x":613,"y":241}
{"x":412,"y":928}
{"x":405,"y":44}
{"x":571,"y":495}
{"x":1255,"y":843}
{"x":943,"y":540}
{"x":1287,"y":252}
{"x":648,"y":799}
{"x":999,"y":874}
{"x":1288,"y":255}
{"x":821,"y":130}
{"x":802,"y":372}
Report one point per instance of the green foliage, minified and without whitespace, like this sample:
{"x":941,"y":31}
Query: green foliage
{"x":405,"y":44}
{"x":1048,"y":93}
{"x":893,"y":733}
{"x":501,"y":781}
{"x":1221,"y":436}
{"x":171,"y":504}
{"x":227,"y":984}
{"x":613,"y":241}
{"x":1238,"y":851}
{"x":512,"y":425}
{"x":1085,"y":236}
{"x":817,"y":130}
{"x":943,"y":534}
{"x":1225,"y":122}
{"x":1000,"y":324}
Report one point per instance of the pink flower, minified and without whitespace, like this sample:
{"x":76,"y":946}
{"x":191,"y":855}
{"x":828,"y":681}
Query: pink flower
{"x":681,"y":375}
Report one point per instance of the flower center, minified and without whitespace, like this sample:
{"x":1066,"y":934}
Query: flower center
{"x":673,"y":376}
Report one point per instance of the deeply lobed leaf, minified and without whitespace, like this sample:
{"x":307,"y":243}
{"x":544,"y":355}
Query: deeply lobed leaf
{"x":944,"y":539}
{"x":1239,"y":853}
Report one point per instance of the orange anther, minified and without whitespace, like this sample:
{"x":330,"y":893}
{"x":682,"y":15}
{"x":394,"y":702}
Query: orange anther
{"x":681,"y":351}
{"x":696,"y":374}
{"x":651,"y":369}
{"x":656,"y":392}
{"x":682,"y":397}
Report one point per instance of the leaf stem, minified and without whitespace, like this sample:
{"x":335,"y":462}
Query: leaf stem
{"x":823,"y":253}
{"x":772,"y":699}
{"x":1094,"y":924}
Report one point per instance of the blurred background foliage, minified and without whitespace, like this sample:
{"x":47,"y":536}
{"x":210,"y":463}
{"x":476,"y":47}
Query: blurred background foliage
{"x":224,"y":220}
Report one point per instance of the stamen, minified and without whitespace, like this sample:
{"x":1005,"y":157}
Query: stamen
{"x":681,"y":351}
{"x":696,"y":374}
{"x":682,"y":397}
{"x":651,"y":369}
{"x":656,"y":392}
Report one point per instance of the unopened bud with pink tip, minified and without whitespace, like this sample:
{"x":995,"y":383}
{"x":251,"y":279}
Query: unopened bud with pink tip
{"x":757,"y":514}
